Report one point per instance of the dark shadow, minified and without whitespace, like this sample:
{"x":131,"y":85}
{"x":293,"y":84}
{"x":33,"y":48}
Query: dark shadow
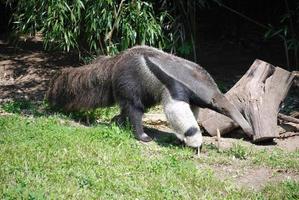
{"x":269,"y":142}
{"x":239,"y":134}
{"x":163,"y":138}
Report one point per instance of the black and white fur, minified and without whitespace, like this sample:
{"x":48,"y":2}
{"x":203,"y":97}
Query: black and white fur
{"x":139,"y":78}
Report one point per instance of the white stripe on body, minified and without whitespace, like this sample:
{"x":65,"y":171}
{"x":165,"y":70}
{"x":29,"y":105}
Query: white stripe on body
{"x":148,"y":80}
{"x":181,"y":118}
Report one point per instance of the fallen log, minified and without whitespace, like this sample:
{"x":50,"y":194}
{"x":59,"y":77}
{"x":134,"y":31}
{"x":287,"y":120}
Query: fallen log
{"x":289,"y":127}
{"x":211,"y":121}
{"x":296,"y":79}
{"x":295,"y":114}
{"x":257,"y":95}
{"x":288,"y":118}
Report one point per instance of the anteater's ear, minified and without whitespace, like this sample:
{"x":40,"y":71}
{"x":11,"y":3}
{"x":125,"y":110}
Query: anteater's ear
{"x":188,"y":73}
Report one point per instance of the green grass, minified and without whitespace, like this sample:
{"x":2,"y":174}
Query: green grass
{"x":288,"y":190}
{"x":250,"y":156}
{"x":42,"y":158}
{"x":50,"y":157}
{"x":19,"y":107}
{"x":26,"y":107}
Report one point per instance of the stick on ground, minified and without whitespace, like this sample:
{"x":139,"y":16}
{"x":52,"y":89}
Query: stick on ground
{"x":218,"y":139}
{"x":288,"y":118}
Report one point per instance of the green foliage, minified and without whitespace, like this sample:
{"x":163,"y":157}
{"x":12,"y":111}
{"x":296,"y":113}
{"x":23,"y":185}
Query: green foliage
{"x":16,"y":106}
{"x":238,"y":151}
{"x":100,"y":26}
{"x":25,"y":107}
{"x":274,"y":158}
{"x":283,"y":32}
{"x":286,"y":31}
{"x":289,"y":190}
{"x":277,"y":158}
{"x":185,"y":49}
{"x":101,"y":114}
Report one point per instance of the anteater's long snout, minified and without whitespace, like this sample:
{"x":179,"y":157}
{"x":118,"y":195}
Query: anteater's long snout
{"x":224,"y":106}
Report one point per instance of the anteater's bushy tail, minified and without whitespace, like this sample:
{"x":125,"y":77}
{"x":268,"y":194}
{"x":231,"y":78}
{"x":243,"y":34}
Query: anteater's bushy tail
{"x":83,"y":88}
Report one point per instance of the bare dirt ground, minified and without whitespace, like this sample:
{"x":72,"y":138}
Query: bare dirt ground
{"x":255,"y":178}
{"x":25,"y":72}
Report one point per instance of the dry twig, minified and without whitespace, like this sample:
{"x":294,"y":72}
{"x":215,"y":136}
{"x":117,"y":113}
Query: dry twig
{"x":288,"y":118}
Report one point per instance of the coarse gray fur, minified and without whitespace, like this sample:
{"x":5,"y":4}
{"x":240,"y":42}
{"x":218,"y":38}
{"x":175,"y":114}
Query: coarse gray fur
{"x":137,"y":79}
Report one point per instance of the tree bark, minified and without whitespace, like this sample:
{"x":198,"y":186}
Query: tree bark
{"x":257,"y":95}
{"x":288,"y":118}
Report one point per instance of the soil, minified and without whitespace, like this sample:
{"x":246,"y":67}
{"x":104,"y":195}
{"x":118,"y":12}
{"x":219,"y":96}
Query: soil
{"x":25,"y":72}
{"x":252,"y":177}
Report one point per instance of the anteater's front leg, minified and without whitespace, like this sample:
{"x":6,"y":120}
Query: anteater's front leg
{"x":121,"y":119}
{"x":135,"y":117}
{"x":182,"y":120}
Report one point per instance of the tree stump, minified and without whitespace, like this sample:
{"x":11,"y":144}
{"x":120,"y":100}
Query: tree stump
{"x":257,"y":95}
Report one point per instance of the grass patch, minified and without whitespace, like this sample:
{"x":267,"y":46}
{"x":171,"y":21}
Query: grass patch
{"x":22,"y":107}
{"x":99,"y":114}
{"x":49,"y":157}
{"x":249,"y":156}
{"x":277,"y":158}
{"x":238,"y":151}
{"x":29,"y":108}
{"x":284,"y":190}
{"x":42,"y":158}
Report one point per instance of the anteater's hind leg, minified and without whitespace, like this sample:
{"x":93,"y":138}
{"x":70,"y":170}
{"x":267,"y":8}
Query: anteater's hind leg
{"x":120,"y":120}
{"x":182,"y":120}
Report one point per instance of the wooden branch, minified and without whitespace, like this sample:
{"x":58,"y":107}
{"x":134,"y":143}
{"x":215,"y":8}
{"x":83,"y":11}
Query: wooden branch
{"x":288,"y":118}
{"x":296,"y":80}
{"x":290,"y":127}
{"x":218,"y":139}
{"x":257,"y":95}
{"x":294,"y":114}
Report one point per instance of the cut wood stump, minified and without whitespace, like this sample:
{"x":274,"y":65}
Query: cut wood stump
{"x":257,"y":95}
